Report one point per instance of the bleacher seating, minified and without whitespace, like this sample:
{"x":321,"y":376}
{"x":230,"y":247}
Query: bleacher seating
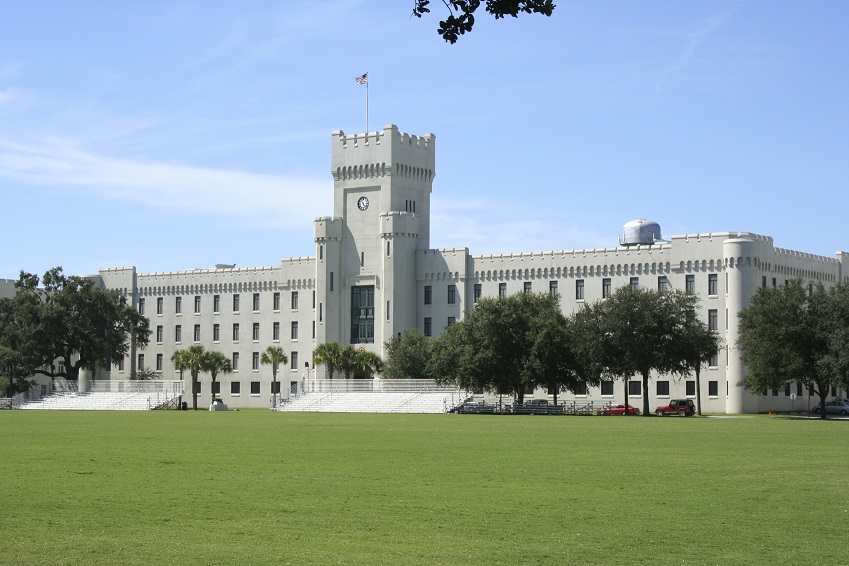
{"x":111,"y":396}
{"x":374,"y":402}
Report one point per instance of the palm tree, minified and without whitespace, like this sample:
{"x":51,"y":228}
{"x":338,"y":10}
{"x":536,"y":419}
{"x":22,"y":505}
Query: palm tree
{"x":179,"y":360}
{"x":193,"y":359}
{"x":215,"y":363}
{"x":367,"y":364}
{"x":347,"y":361}
{"x":275,"y":356}
{"x":328,"y":354}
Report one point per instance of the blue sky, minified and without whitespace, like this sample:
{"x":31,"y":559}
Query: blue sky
{"x":176,"y":135}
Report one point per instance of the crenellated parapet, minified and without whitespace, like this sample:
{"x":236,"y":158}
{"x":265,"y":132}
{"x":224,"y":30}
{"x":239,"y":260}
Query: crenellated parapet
{"x":203,"y":281}
{"x":328,"y":228}
{"x":399,"y":224}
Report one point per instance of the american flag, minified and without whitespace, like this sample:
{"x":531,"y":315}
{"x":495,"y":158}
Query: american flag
{"x":363,"y":79}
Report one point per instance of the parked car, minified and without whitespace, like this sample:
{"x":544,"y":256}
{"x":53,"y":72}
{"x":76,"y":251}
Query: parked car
{"x":834,"y":407}
{"x":683,"y":407}
{"x":536,"y":402}
{"x":618,"y":410}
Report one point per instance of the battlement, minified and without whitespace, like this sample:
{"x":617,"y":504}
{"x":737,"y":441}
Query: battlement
{"x":382,"y":153}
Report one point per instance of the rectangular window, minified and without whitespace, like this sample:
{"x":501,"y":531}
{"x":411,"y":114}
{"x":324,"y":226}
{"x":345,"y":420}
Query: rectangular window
{"x":427,"y":326}
{"x":294,"y":330}
{"x":799,"y":387}
{"x":159,"y":305}
{"x":216,"y":303}
{"x":605,"y":288}
{"x":713,"y":285}
{"x":197,"y":387}
{"x":690,"y":388}
{"x":663,"y":389}
{"x":255,"y":361}
{"x":236,"y":302}
{"x":158,"y":362}
{"x":159,"y":334}
{"x":362,"y":314}
{"x":662,"y":284}
{"x":428,"y":294}
{"x":313,"y":299}
{"x":387,"y":310}
{"x":293,"y":360}
{"x":178,"y":333}
{"x":141,"y":362}
{"x":235,"y":388}
{"x":121,"y":364}
{"x":255,"y":388}
{"x":634,"y":388}
{"x":713,"y":388}
{"x":294,"y":300}
{"x":714,"y":361}
{"x":452,"y":294}
{"x":774,"y":282}
{"x":216,"y":333}
{"x":178,"y":305}
{"x":197,"y":304}
{"x":635,"y":284}
{"x":787,"y":389}
{"x":713,"y":319}
{"x":502,"y":290}
{"x":528,"y":287}
{"x":452,"y":320}
{"x":276,"y":301}
{"x":552,"y":288}
{"x":235,"y":363}
{"x":256,"y":302}
{"x":216,"y":388}
{"x":141,"y":306}
{"x":331,"y":281}
{"x":197,"y":333}
{"x":255,"y":332}
{"x":275,"y":332}
{"x":313,"y":330}
{"x":580,"y":389}
{"x":607,"y":387}
{"x":579,"y":290}
{"x":690,"y":285}
{"x":235,"y":332}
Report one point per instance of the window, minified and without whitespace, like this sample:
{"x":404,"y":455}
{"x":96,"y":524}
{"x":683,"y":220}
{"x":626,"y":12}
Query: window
{"x":452,"y":294}
{"x":121,"y":364}
{"x":502,"y":290}
{"x":528,"y":287}
{"x":236,"y":302}
{"x":159,"y":333}
{"x":275,"y":332}
{"x":159,"y":303}
{"x":362,"y":314}
{"x":320,"y":252}
{"x":294,"y":330}
{"x":235,"y":332}
{"x":255,"y":332}
{"x":690,"y":388}
{"x":255,"y":361}
{"x":787,"y":389}
{"x":235,"y":387}
{"x":552,"y":288}
{"x":662,"y":284}
{"x":216,"y":388}
{"x":427,"y":326}
{"x":216,"y":303}
{"x":294,"y":300}
{"x":452,"y":320}
{"x":197,"y":333}
{"x":713,"y":388}
{"x":276,"y":301}
{"x":635,"y":284}
{"x":216,"y":333}
{"x":713,"y":319}
{"x":197,"y":304}
{"x":254,"y":387}
{"x":141,"y":306}
{"x":607,"y":387}
{"x":690,"y":285}
{"x":663,"y":389}
{"x":196,"y":387}
{"x":235,"y":363}
{"x":634,"y":388}
{"x":313,"y":330}
{"x":387,"y":310}
{"x":275,"y":388}
{"x":774,"y":282}
{"x":158,"y":362}
{"x":331,"y":281}
{"x":178,"y":333}
{"x":714,"y":361}
{"x":293,"y":360}
{"x":799,"y":387}
{"x":605,"y":288}
{"x":313,"y":299}
{"x":579,"y":290}
{"x":256,"y":302}
{"x":428,"y":294}
{"x":763,"y":281}
{"x":178,"y":305}
{"x":713,"y":284}
{"x":141,"y":362}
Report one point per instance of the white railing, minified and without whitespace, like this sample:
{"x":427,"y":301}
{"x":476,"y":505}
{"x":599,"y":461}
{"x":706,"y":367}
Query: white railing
{"x":373,"y":386}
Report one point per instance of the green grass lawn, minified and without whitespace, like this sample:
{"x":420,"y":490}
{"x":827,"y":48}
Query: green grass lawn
{"x":254,"y":487}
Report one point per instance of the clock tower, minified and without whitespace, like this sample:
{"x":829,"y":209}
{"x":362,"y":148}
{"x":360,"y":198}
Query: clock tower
{"x":366,"y":252}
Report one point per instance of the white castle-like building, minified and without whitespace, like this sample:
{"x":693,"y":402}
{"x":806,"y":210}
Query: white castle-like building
{"x":375,"y":275}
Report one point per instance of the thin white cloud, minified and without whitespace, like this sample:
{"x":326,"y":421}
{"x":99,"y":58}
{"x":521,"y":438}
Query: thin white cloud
{"x":694,"y":38}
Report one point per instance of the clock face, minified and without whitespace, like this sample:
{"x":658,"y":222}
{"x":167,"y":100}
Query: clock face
{"x":362,"y":204}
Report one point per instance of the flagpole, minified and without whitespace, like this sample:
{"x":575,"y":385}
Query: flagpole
{"x":366,"y":108}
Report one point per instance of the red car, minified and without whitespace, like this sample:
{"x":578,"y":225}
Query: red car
{"x":618,"y":410}
{"x":682,"y":407}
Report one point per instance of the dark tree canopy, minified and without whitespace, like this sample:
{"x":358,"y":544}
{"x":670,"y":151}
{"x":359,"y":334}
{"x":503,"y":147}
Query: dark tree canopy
{"x":461,"y":13}
{"x":68,"y":320}
{"x":407,"y":356}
